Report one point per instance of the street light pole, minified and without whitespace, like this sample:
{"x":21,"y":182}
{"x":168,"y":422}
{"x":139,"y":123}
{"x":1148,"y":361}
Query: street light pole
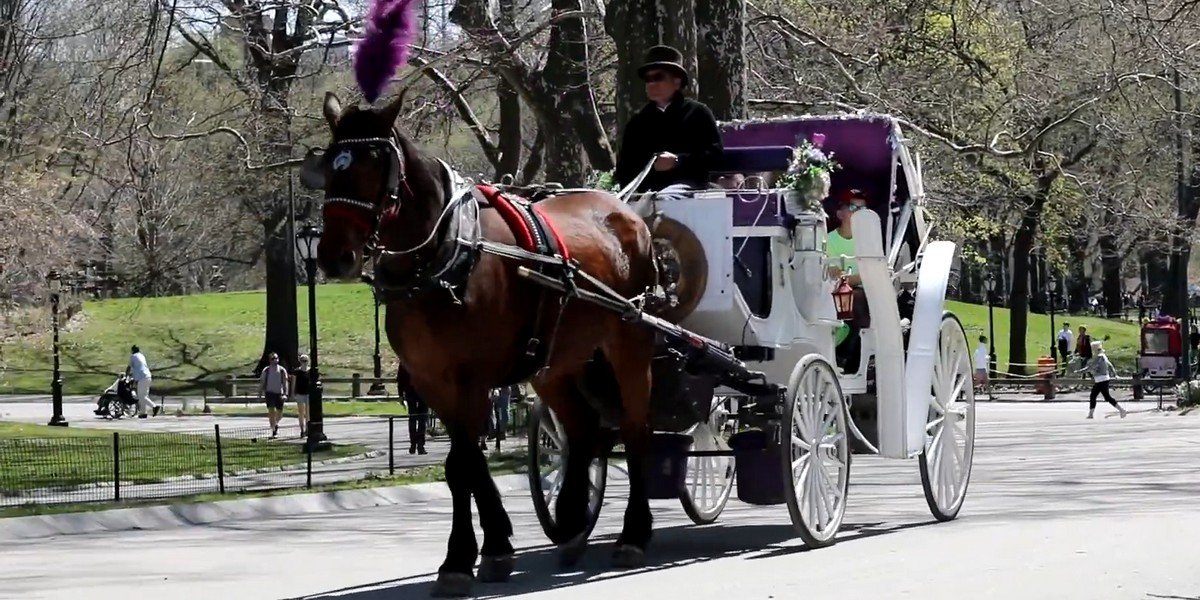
{"x":54,"y":281}
{"x":377,"y":387}
{"x":1052,"y":288}
{"x":990,"y":284}
{"x":306,"y":243}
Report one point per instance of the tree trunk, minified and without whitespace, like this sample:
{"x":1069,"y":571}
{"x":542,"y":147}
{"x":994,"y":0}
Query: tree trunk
{"x":281,"y":334}
{"x":1019,"y":295}
{"x":275,"y":206}
{"x":1110,"y":265}
{"x":677,"y":28}
{"x":510,"y":105}
{"x":721,"y":57}
{"x":633,"y":27}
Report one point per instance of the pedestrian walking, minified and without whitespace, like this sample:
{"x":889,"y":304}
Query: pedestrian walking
{"x":301,"y":381}
{"x":981,"y":363}
{"x":501,"y":401}
{"x":1083,"y":345}
{"x":139,"y":370}
{"x":273,"y":383}
{"x":418,"y":419}
{"x":1065,"y":342}
{"x":1102,"y":372}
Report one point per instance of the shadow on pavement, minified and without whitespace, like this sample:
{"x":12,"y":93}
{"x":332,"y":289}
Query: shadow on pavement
{"x":538,"y":570}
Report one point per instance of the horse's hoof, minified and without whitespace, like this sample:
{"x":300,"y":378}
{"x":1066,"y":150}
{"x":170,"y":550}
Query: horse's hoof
{"x":495,"y":569}
{"x":452,"y":585}
{"x":572,"y":551}
{"x":628,"y":557}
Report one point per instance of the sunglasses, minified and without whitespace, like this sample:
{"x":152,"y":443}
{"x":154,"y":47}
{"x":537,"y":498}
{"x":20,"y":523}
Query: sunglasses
{"x":656,"y":77}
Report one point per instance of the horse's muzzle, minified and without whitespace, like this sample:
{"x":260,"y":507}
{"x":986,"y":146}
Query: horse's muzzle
{"x":340,"y":265}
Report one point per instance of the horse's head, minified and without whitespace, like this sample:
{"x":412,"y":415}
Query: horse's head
{"x":362,"y":173}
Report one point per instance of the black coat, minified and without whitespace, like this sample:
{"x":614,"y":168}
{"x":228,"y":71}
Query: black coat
{"x":686,"y":128}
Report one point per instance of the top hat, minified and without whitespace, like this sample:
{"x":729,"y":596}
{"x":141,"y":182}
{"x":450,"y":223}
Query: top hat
{"x":665,"y":58}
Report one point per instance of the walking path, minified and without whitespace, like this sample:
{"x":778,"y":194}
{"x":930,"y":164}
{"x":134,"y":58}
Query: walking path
{"x":1058,"y":507}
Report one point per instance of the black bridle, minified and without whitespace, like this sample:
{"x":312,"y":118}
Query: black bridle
{"x":367,"y":214}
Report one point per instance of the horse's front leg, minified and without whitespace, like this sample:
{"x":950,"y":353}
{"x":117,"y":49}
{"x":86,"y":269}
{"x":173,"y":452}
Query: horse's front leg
{"x":496,"y":563}
{"x":630,"y":358}
{"x":455,"y":576}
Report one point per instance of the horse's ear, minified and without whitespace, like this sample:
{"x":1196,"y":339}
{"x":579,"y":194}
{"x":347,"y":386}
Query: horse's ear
{"x":332,"y":109}
{"x":392,"y":110}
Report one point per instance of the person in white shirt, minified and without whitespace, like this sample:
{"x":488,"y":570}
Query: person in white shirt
{"x":140,"y":371}
{"x":1066,"y":341}
{"x":981,"y":361}
{"x":274,"y":383}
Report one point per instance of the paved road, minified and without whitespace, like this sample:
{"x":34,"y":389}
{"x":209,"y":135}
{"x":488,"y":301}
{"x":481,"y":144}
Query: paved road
{"x":1059,"y":507}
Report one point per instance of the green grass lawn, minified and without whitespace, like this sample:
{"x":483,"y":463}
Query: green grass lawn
{"x":205,"y":337}
{"x":190,"y":338}
{"x":1122,"y":346}
{"x":37,"y":456}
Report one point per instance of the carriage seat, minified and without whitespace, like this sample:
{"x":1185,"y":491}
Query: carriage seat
{"x":753,"y":159}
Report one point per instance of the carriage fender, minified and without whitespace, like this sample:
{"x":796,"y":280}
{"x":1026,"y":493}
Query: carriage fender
{"x":933,"y":278}
{"x":884,"y":336}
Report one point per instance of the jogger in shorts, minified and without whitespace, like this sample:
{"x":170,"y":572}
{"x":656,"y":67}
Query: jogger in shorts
{"x":274,"y":384}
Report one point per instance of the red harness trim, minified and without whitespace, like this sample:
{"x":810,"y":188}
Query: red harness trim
{"x":508,"y":212}
{"x":349,"y":213}
{"x":562,"y":247}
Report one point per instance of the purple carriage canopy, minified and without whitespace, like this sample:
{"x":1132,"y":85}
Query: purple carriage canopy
{"x":865,"y":145}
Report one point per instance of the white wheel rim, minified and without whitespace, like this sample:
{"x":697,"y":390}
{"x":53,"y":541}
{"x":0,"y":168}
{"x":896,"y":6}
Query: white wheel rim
{"x":819,"y":477}
{"x":950,"y":433}
{"x":708,"y":480}
{"x":551,"y":446}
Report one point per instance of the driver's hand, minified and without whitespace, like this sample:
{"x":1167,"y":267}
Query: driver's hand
{"x":665,"y":161}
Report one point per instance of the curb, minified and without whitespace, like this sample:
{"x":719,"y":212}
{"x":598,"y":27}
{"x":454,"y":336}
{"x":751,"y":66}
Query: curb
{"x":151,"y":518}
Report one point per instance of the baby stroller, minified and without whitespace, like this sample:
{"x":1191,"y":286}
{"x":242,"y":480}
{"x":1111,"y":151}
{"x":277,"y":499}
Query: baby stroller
{"x":118,"y":400}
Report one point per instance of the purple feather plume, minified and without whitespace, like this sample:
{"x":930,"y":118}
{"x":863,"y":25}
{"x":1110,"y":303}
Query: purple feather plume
{"x":390,"y":27}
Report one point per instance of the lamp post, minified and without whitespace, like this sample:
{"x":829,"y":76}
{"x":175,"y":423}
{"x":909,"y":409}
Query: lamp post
{"x":1051,"y":289}
{"x":54,"y":281}
{"x":377,"y":388}
{"x":306,"y":244}
{"x":989,"y":283}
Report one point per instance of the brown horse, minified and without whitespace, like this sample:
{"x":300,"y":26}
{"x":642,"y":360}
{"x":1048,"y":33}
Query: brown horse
{"x":457,"y":339}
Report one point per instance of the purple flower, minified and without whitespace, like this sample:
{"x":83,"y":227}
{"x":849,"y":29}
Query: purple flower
{"x":818,"y":139}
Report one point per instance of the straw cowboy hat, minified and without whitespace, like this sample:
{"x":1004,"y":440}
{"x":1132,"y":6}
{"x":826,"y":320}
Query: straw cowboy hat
{"x":665,"y":58}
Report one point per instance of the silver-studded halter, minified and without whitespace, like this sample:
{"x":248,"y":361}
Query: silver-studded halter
{"x":365,"y":213}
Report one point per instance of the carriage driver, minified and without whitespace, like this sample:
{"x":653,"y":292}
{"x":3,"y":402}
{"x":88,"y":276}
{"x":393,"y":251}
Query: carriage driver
{"x":682,"y":131}
{"x":840,"y":246}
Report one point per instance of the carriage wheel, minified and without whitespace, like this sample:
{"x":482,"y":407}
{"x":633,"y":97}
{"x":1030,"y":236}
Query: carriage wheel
{"x":708,"y":479}
{"x":816,"y":460}
{"x":547,"y":457}
{"x":950,"y":433}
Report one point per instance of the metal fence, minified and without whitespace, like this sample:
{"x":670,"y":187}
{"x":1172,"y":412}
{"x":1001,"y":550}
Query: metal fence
{"x":216,"y":459}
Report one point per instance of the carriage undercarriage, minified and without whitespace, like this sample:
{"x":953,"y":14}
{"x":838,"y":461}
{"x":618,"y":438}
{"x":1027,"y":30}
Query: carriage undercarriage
{"x":785,"y":434}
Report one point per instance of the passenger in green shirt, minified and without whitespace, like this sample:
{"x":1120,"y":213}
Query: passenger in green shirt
{"x":839,"y":244}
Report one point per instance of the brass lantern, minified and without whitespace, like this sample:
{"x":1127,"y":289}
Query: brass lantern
{"x":843,"y":300}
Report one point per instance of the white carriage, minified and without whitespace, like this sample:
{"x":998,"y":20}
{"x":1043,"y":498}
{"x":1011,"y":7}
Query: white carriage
{"x":763,"y":404}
